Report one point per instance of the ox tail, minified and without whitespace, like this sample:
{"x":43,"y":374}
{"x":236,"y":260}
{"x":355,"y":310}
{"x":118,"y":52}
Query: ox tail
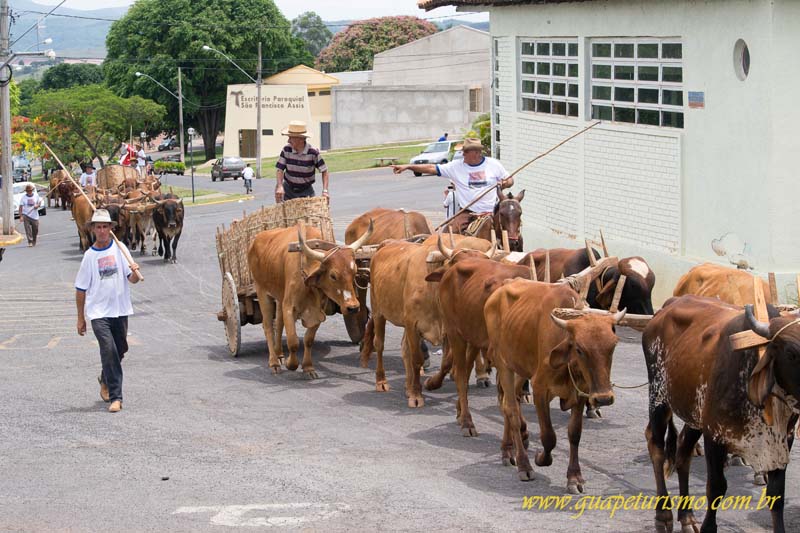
{"x":368,"y":342}
{"x":670,"y":449}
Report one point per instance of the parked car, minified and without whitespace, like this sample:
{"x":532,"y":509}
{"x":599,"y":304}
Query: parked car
{"x":175,"y":158}
{"x":227,"y":167}
{"x":19,"y":192}
{"x":168,"y":144}
{"x":436,"y":153}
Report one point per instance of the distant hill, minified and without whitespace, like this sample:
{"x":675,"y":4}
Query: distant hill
{"x":71,"y":37}
{"x":78,"y":37}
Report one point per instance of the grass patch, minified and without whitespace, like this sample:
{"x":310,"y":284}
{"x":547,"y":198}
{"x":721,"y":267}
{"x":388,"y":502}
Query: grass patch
{"x":186,"y":192}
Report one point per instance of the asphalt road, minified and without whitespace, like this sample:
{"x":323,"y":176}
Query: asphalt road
{"x":207,"y":443}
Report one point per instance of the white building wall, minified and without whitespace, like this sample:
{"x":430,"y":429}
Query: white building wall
{"x":665,"y":193}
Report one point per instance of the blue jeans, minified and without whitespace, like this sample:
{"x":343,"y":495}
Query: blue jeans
{"x":111,"y":334}
{"x":248,"y":184}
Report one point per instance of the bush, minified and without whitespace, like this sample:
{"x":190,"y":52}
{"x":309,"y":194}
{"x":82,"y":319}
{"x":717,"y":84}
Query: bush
{"x":169,"y":167}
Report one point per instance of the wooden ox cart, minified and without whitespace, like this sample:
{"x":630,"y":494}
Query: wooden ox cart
{"x":239,"y":300}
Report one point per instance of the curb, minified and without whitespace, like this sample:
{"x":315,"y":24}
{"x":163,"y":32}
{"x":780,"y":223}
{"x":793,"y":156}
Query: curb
{"x":250,"y":197}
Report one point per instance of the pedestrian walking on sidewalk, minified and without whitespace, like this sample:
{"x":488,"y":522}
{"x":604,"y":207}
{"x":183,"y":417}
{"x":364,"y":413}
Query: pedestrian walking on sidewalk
{"x":248,"y":174}
{"x":29,"y":207}
{"x":103,"y":298}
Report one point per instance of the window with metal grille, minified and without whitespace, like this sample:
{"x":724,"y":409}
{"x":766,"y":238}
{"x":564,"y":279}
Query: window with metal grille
{"x":476,"y":100}
{"x":639,"y":81}
{"x":549,"y":76}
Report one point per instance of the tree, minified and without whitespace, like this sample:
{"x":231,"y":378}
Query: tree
{"x":64,"y":76}
{"x":13,"y":91}
{"x":356,"y":46}
{"x":310,"y":28}
{"x":97,"y":117}
{"x":27,"y":88}
{"x":156,"y":37}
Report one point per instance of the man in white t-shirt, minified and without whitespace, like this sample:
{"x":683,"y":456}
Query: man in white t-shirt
{"x":248,"y":174}
{"x":29,"y":206}
{"x":89,"y":176}
{"x":103,"y":297}
{"x":472,"y":176}
{"x":141,"y":161}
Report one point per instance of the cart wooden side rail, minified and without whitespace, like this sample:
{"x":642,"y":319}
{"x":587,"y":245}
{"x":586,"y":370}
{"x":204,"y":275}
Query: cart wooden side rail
{"x":239,"y":301}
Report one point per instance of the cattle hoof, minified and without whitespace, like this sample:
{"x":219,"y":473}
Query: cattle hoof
{"x":543,"y":460}
{"x":483,"y":383}
{"x":593,"y":413}
{"x":416,"y":402}
{"x":292,"y":363}
{"x":689,"y":528}
{"x":663,"y":526}
{"x":698,"y":450}
{"x":574,"y":487}
{"x":759,"y":478}
{"x":527,"y":398}
{"x":174,"y":261}
{"x":506,"y":461}
{"x":310,"y":374}
{"x":525,"y":475}
{"x":276,"y":369}
{"x":382,"y":386}
{"x":469,"y":431}
{"x":735,"y":460}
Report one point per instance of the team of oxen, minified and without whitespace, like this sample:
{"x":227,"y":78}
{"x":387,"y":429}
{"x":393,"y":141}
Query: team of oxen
{"x":139,"y":209}
{"x":544,"y":317}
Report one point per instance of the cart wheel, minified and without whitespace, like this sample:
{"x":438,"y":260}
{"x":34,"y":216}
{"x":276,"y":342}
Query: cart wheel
{"x":230,"y":305}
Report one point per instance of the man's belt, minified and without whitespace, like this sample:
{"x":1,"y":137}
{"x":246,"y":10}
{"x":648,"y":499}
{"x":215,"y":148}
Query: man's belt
{"x":295,"y":187}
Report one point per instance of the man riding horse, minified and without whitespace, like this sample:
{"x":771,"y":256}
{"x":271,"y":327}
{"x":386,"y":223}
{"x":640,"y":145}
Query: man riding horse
{"x":472,"y":175}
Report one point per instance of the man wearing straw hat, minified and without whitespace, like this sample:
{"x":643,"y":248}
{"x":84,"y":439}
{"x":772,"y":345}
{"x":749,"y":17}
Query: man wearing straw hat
{"x":297,"y":164}
{"x":471,"y":176}
{"x":103,"y":297}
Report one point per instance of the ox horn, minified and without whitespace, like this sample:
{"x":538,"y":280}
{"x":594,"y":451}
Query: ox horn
{"x":560,"y":322}
{"x":619,"y":316}
{"x":361,"y":240}
{"x":761,"y":328}
{"x":312,"y":255}
{"x":445,"y":251}
{"x":491,"y":251}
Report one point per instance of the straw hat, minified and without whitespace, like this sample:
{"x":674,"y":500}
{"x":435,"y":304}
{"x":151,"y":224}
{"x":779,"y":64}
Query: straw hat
{"x":471,"y":143}
{"x":101,"y":215}
{"x":297,"y":128}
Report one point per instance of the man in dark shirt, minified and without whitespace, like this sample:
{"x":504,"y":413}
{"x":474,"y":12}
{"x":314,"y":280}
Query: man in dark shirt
{"x":297,"y":164}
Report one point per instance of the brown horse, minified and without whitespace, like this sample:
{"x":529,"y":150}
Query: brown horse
{"x":507,"y":216}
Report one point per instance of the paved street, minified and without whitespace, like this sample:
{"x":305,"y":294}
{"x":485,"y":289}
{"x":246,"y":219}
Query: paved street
{"x":206,"y":442}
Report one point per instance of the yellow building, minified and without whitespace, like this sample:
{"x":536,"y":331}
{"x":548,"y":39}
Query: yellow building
{"x":319,"y":97}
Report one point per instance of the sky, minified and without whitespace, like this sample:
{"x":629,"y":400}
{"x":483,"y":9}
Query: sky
{"x":327,"y":9}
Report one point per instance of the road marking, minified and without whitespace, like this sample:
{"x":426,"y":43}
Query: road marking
{"x":6,"y":343}
{"x":234,"y":515}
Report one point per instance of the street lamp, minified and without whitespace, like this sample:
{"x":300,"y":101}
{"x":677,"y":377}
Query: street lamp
{"x":191,"y":156}
{"x":179,"y":96}
{"x":257,"y":81}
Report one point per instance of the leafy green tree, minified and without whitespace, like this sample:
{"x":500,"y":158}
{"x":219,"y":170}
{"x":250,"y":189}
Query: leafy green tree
{"x":155,"y":37}
{"x":356,"y":46}
{"x":310,"y":28}
{"x":13,"y":91}
{"x":27,"y":88}
{"x":96,"y":116}
{"x":64,"y":76}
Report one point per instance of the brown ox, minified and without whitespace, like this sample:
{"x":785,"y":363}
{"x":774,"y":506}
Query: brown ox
{"x":299,"y":292}
{"x":716,"y":281}
{"x":56,"y":177}
{"x":388,"y":224}
{"x":400,"y":294}
{"x":569,"y":359}
{"x":464,"y":287}
{"x":66,"y":191}
{"x":737,"y":402}
{"x":82,"y":214}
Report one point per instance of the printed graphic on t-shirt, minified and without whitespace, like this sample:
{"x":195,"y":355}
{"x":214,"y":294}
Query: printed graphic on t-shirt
{"x":30,"y":202}
{"x":107,"y":266}
{"x":477,"y":179}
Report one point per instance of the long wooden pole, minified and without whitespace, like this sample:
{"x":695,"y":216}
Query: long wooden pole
{"x":520,"y":169}
{"x":91,"y":204}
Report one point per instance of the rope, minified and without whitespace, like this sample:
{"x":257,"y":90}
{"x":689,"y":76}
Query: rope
{"x":633,"y":387}
{"x":579,"y":391}
{"x":793,"y":322}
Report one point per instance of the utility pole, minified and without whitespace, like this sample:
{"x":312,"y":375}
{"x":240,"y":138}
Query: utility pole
{"x":258,"y":115}
{"x":5,"y":124}
{"x":180,"y":116}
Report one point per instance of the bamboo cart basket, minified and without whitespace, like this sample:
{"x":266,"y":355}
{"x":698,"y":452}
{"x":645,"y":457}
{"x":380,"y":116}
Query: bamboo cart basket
{"x":239,"y":300}
{"x":112,"y":176}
